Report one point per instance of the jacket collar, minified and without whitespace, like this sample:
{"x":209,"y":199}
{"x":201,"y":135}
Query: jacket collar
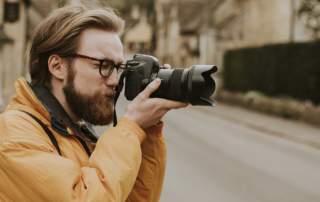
{"x":60,"y":120}
{"x":44,"y":102}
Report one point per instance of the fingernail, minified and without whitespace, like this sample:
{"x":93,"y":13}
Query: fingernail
{"x":158,"y":80}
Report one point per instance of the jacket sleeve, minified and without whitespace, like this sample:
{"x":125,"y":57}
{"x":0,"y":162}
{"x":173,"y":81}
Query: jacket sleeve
{"x":32,"y":170}
{"x":148,"y":185}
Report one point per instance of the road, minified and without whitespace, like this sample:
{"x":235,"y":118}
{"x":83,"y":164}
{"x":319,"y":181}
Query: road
{"x":228,"y":154}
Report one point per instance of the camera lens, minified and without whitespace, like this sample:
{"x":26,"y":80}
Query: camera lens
{"x":194,"y":85}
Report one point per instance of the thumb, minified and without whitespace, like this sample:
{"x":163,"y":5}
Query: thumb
{"x":153,"y":86}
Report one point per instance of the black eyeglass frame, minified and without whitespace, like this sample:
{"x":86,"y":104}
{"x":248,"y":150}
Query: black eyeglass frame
{"x":119,"y":66}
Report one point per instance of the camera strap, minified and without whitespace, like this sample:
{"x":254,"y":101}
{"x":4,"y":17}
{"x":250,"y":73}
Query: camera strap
{"x":46,"y":129}
{"x":118,"y":90}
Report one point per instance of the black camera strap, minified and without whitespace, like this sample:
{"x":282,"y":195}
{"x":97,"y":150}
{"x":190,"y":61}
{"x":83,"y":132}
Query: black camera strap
{"x":46,"y":129}
{"x":118,"y":90}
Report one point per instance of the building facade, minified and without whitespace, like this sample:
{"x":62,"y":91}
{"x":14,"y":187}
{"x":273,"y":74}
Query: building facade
{"x":138,"y":35}
{"x":18,"y":18}
{"x":199,"y":32}
{"x":250,"y":23}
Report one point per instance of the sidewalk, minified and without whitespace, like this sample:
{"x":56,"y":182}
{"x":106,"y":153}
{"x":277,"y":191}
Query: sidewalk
{"x":292,"y":130}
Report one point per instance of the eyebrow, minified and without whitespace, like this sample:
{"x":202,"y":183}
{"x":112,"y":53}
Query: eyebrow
{"x":111,"y":60}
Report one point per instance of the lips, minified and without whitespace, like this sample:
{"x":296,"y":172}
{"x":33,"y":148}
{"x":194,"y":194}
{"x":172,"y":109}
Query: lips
{"x":110,"y":95}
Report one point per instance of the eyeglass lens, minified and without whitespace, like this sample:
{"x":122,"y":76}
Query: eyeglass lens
{"x":106,"y":67}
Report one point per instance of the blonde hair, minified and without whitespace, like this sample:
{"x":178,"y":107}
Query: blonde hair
{"x":60,"y":34}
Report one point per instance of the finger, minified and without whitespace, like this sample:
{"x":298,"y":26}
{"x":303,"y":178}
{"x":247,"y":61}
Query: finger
{"x":167,"y":66}
{"x":169,"y":104}
{"x":153,"y":86}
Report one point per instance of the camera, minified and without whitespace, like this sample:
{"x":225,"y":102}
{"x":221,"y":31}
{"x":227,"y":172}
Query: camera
{"x":194,"y":85}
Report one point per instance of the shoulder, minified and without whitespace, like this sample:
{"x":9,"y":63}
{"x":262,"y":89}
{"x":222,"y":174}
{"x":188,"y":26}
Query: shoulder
{"x":21,"y":136}
{"x":17,"y":124}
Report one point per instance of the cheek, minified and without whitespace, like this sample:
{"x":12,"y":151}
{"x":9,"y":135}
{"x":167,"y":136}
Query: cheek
{"x":87,"y":78}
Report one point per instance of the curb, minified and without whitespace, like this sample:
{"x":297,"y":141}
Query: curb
{"x":286,"y":108}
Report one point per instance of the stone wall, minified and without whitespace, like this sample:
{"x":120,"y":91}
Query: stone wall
{"x":284,"y":107}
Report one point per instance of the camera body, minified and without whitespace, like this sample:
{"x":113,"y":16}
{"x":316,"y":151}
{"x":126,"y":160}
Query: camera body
{"x":141,"y":68}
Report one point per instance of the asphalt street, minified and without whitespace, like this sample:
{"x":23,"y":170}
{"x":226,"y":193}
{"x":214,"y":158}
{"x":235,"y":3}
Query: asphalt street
{"x":229,"y":154}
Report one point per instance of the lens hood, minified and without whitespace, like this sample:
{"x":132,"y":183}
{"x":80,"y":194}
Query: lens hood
{"x":201,"y":85}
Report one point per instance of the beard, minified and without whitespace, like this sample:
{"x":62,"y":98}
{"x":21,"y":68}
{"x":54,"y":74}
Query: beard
{"x":94,"y":107}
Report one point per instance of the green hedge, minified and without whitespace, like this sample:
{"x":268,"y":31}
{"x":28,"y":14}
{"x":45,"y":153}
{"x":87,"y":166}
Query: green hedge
{"x":284,"y":69}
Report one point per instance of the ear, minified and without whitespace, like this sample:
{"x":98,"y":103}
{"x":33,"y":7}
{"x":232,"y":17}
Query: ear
{"x":57,"y":67}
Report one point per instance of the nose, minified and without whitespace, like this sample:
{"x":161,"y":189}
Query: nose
{"x":112,"y":80}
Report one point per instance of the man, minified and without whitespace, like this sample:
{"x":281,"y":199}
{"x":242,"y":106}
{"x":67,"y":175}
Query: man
{"x":73,"y":64}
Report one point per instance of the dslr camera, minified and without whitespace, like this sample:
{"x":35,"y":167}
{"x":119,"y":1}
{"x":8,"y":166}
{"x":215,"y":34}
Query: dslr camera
{"x":194,"y":85}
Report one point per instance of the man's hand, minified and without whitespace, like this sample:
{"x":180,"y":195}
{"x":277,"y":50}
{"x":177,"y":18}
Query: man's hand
{"x":147,"y":111}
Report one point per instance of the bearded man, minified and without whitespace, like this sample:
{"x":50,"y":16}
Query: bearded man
{"x":48,"y":149}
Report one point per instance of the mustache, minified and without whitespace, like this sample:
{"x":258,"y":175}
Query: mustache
{"x":109,"y":92}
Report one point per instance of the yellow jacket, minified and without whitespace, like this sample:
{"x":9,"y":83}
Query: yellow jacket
{"x":127,"y":163}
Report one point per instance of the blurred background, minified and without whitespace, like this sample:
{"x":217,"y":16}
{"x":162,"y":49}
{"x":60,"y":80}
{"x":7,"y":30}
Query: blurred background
{"x":262,"y":141}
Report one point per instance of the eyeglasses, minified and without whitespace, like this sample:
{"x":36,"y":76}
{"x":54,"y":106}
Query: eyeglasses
{"x":106,"y":66}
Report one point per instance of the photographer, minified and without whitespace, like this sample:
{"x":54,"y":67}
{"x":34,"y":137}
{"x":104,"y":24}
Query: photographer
{"x":44,"y":155}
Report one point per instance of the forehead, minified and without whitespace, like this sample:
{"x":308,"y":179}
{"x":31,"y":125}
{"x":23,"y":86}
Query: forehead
{"x":101,"y":44}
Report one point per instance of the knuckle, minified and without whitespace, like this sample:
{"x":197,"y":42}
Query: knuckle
{"x":157,"y":102}
{"x":142,"y":98}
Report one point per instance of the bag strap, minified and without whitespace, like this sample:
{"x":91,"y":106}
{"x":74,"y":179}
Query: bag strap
{"x":46,"y":129}
{"x":118,"y":90}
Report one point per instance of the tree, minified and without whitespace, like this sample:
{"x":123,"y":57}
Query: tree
{"x":309,"y":12}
